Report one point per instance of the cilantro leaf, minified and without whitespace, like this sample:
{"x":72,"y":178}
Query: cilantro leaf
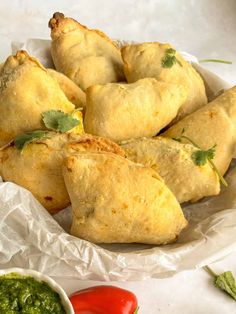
{"x":168,"y":61}
{"x":171,"y":51}
{"x":227,"y":283}
{"x":224,"y":281}
{"x":50,"y":118}
{"x":22,"y":140}
{"x":169,"y":58}
{"x":200,"y":157}
{"x":59,"y":121}
{"x":67,"y":123}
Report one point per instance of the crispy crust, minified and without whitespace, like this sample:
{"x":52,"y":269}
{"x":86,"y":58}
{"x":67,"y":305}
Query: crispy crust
{"x":117,"y":201}
{"x":20,"y":58}
{"x":97,"y":143}
{"x":27,"y":90}
{"x":113,"y":110}
{"x":145,"y":60}
{"x":88,"y":141}
{"x":72,"y":91}
{"x":43,"y":157}
{"x":60,"y":24}
{"x":54,"y":21}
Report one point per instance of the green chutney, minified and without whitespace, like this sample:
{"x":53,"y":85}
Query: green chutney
{"x":24,"y":294}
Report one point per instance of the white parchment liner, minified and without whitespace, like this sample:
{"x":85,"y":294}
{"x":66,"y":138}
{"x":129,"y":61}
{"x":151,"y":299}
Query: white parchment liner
{"x":31,"y":238}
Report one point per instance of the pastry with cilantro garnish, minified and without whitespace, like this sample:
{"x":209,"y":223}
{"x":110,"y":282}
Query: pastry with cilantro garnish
{"x":117,"y":201}
{"x":164,"y":63}
{"x":86,"y":56}
{"x":123,"y":111}
{"x":34,"y":160}
{"x":176,"y":163}
{"x":26,"y":91}
{"x":214,"y":125}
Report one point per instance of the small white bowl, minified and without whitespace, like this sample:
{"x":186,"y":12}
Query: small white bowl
{"x":41,"y":277}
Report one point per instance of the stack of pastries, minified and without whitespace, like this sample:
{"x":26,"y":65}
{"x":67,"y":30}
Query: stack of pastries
{"x":128,"y":167}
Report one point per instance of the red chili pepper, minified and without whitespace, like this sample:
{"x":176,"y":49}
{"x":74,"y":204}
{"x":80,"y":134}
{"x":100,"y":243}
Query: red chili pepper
{"x":104,"y":300}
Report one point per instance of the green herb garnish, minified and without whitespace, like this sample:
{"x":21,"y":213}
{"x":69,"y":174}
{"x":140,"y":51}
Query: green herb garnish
{"x":170,"y":59}
{"x":215,"y":60}
{"x":25,"y":294}
{"x":200,"y":157}
{"x":58,"y":120}
{"x":224,"y":281}
{"x":22,"y":140}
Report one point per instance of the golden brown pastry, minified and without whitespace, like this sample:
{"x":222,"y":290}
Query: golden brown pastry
{"x":86,"y":56}
{"x":153,"y":60}
{"x":38,"y":167}
{"x":70,"y":89}
{"x":173,"y":162}
{"x":123,"y":111}
{"x":26,"y":91}
{"x":117,"y":201}
{"x":214,"y":124}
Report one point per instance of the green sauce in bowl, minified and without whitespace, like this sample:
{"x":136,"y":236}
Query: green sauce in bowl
{"x":24,"y":294}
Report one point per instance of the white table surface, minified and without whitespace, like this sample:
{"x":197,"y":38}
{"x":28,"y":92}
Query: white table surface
{"x":205,"y":28}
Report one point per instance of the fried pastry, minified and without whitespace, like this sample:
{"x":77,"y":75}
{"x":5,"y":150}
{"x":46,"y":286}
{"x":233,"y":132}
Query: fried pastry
{"x":173,"y":162}
{"x":123,"y":111}
{"x":214,"y":124}
{"x":26,"y":91}
{"x":117,"y":201}
{"x":86,"y":56}
{"x":70,"y":89}
{"x":38,"y":166}
{"x":162,"y":62}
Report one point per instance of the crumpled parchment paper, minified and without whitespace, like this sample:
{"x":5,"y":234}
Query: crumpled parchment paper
{"x":31,"y":238}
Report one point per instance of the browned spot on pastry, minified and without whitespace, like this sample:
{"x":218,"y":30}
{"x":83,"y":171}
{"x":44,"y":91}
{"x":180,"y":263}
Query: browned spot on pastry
{"x":54,"y":21}
{"x":96,"y":144}
{"x":58,"y":15}
{"x":48,"y":198}
{"x":69,"y":163}
{"x":59,"y":18}
{"x":212,"y":114}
